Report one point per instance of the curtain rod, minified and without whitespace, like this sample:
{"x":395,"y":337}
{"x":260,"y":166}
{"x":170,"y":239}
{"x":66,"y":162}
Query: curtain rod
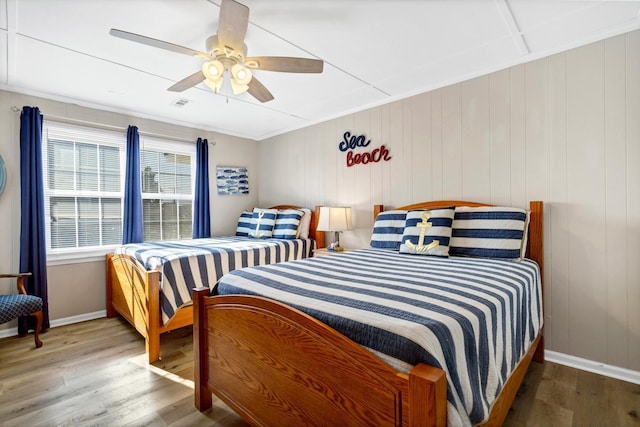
{"x":108,"y":127}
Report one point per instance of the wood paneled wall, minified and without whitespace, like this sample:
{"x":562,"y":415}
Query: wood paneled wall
{"x":563,"y":129}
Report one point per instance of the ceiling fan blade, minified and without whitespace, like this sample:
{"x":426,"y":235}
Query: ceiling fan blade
{"x":258,"y":91}
{"x":233,"y":23}
{"x":157,"y":43}
{"x":285,"y":64}
{"x":188,"y":82}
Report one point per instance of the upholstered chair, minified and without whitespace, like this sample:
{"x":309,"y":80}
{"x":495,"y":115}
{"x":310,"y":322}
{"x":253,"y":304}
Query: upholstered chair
{"x":13,"y":306}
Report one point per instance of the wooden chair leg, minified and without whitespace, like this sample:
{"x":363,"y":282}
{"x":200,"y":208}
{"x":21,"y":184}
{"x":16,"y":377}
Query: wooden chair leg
{"x":36,"y":331}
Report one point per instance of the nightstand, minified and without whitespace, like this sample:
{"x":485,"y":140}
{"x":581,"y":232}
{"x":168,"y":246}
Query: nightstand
{"x":325,"y":252}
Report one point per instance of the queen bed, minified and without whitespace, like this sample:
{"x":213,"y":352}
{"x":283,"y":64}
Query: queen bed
{"x":150,"y":284}
{"x":379,"y":336}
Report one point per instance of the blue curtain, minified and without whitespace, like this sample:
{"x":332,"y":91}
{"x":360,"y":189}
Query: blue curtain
{"x":132,"y":212}
{"x":201,"y":215}
{"x":33,"y":250}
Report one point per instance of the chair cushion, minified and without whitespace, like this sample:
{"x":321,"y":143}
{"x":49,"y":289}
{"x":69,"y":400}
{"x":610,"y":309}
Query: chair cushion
{"x":16,"y":305}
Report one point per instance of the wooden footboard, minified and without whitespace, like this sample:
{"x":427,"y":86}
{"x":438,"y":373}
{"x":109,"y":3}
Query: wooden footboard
{"x":134,"y":293}
{"x":275,"y":365}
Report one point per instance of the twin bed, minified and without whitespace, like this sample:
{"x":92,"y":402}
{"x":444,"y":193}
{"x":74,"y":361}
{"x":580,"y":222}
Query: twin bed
{"x":373,"y":336}
{"x":150,"y":284}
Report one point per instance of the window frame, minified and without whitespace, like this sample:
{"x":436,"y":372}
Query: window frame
{"x":114,"y":138}
{"x":78,"y":134}
{"x":149,"y":143}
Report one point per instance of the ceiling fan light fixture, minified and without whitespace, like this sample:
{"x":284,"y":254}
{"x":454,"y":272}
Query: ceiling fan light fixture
{"x":241,"y":74}
{"x":214,"y":73}
{"x":237,"y":87}
{"x":215,"y":85}
{"x":213,"y":70}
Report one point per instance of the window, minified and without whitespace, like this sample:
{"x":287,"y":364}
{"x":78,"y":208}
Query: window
{"x":167,"y":189}
{"x":84,"y":172}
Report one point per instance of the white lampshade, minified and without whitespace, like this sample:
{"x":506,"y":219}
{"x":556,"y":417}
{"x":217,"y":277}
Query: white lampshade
{"x":240,"y":78}
{"x":334,"y":218}
{"x":214,"y":85}
{"x":213,"y":70}
{"x":238,"y":88}
{"x":242,"y":75}
{"x":214,"y":73}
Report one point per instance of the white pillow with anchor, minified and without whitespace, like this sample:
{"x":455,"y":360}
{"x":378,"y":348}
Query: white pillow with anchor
{"x":428,"y":232}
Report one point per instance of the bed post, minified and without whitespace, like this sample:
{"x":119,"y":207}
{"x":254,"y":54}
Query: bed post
{"x":203,"y":397}
{"x":376,"y":210}
{"x":536,"y":229}
{"x":111,"y":312}
{"x":536,"y":253}
{"x":152,"y":341}
{"x":319,"y":235}
{"x":427,"y":396}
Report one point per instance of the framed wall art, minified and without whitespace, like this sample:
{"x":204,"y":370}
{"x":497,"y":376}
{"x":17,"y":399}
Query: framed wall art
{"x":232,"y":180}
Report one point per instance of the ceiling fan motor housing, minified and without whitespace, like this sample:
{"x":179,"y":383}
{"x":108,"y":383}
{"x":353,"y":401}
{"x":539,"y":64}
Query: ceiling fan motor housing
{"x":225,"y":54}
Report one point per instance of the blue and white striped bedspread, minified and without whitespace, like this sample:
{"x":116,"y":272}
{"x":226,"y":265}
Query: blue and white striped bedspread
{"x":192,"y":263}
{"x":474,"y":318}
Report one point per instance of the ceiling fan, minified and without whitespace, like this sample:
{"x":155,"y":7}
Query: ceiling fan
{"x":227,"y":54}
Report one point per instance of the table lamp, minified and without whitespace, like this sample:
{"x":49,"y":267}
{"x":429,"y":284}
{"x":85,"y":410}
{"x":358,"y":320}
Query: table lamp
{"x":336,"y":219}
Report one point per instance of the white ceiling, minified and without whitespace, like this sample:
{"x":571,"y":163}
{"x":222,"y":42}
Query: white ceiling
{"x":375,"y":51}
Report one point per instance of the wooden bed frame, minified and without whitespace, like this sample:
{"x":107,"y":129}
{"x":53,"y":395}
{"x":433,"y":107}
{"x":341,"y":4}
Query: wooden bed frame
{"x":134,"y":293}
{"x":275,"y":365}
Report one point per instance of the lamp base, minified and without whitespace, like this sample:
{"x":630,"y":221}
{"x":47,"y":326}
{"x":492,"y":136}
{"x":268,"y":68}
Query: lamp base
{"x":335,"y":247}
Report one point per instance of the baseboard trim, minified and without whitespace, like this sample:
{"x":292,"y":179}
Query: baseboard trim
{"x":594,"y":367}
{"x":79,"y":318}
{"x":12,"y":332}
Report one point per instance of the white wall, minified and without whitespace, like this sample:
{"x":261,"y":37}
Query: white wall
{"x":563,"y":129}
{"x":78,"y":289}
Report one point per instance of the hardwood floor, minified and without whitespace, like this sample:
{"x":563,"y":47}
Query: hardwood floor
{"x":95,"y":373}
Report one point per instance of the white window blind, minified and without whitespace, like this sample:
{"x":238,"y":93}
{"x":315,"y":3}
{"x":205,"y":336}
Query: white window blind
{"x":168,"y":171}
{"x":83,"y":174}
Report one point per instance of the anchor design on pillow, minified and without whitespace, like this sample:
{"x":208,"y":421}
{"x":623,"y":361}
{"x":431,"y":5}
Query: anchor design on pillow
{"x":259,"y":234}
{"x":423,"y":225}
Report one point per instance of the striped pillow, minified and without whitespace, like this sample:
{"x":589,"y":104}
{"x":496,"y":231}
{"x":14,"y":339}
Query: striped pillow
{"x":428,"y":232}
{"x":262,"y":222}
{"x":489,"y":232}
{"x":244,"y":224}
{"x":287,"y":223}
{"x":388,"y":229}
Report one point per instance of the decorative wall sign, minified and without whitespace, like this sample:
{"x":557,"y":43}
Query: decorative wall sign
{"x":351,"y":142}
{"x":232,"y":180}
